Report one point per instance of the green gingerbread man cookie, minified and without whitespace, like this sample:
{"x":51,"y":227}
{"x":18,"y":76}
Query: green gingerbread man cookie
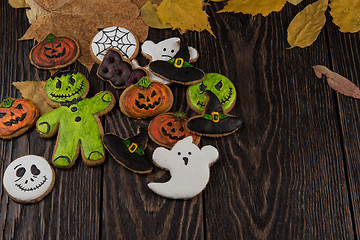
{"x":76,"y":119}
{"x":220,"y":85}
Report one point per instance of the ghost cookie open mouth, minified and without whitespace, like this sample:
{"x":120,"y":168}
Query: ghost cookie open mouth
{"x":77,"y":91}
{"x":22,"y":188}
{"x":149,"y":106}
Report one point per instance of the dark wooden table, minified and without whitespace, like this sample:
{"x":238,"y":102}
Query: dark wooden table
{"x":291,"y":172}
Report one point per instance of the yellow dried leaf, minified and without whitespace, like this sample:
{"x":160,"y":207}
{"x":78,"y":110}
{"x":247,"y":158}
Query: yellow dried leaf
{"x":141,"y":3}
{"x":252,"y":7}
{"x":150,"y":16}
{"x":18,"y":3}
{"x":294,"y":2}
{"x":184,"y":15}
{"x":346,"y":14}
{"x":307,"y":24}
{"x":34,"y":91}
{"x":35,"y":11}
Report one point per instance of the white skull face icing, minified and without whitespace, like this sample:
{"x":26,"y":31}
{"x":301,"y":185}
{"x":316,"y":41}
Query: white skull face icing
{"x":28,"y":178}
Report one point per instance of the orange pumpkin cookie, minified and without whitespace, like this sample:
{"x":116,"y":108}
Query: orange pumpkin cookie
{"x":16,"y":117}
{"x":146,"y":99}
{"x":54,"y":52}
{"x":169,"y":128}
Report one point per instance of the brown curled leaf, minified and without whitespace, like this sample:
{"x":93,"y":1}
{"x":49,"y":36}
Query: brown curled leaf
{"x":337,"y":82}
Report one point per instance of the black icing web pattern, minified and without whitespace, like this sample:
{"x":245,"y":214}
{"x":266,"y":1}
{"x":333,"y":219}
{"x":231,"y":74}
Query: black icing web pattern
{"x":115,"y":38}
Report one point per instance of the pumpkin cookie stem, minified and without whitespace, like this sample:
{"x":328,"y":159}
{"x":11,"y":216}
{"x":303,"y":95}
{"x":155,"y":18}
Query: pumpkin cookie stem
{"x":7,"y":102}
{"x":144,"y":82}
{"x":50,"y":38}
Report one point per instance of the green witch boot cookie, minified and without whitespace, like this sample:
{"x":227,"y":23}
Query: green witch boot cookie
{"x":76,"y":119}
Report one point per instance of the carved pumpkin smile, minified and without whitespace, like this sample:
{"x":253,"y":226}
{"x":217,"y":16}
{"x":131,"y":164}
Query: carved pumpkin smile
{"x":16,"y":120}
{"x":53,"y":51}
{"x":149,"y":106}
{"x":171,"y":136}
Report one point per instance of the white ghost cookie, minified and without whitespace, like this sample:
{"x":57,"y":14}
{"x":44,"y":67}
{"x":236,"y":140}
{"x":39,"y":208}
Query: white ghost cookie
{"x":28,"y":179}
{"x":163,"y":50}
{"x":189,"y":167}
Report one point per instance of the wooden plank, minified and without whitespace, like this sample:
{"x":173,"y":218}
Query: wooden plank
{"x":345,"y":60}
{"x":72,"y":209}
{"x":282,"y":175}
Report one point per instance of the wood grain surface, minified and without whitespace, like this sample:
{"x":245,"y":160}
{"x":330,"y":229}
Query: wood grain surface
{"x":291,"y":172}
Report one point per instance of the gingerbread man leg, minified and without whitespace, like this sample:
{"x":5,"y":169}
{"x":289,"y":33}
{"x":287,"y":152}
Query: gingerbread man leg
{"x":65,"y":151}
{"x":92,"y":148}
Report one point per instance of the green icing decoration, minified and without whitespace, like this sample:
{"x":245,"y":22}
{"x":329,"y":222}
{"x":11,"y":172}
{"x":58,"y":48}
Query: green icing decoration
{"x":7,"y":102}
{"x":185,"y":64}
{"x":180,"y":115}
{"x":50,"y":38}
{"x":77,"y":125}
{"x":209,"y":117}
{"x":144,"y":82}
{"x":66,"y":86}
{"x":220,"y":85}
{"x":137,"y":150}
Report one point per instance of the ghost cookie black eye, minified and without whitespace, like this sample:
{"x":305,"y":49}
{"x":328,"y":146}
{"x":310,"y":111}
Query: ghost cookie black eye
{"x":189,"y":153}
{"x":202,"y":87}
{"x":219,"y":85}
{"x":179,"y":153}
{"x":58,"y":84}
{"x":164,"y":49}
{"x":35,"y":170}
{"x":20,"y":172}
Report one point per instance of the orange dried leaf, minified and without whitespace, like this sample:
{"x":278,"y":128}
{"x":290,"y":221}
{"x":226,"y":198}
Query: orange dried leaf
{"x":264,"y":7}
{"x":184,"y":15}
{"x":150,"y":16}
{"x":346,"y":15}
{"x":307,"y":24}
{"x":337,"y":82}
{"x":34,"y":91}
{"x":81,"y":20}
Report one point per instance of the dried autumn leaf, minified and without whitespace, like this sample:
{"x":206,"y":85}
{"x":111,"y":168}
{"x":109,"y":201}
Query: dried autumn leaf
{"x":81,"y":20}
{"x":307,"y":24}
{"x":264,"y":7}
{"x":184,"y":15}
{"x":35,"y":11}
{"x":337,"y":82}
{"x":34,"y":91}
{"x":141,"y":3}
{"x":294,"y":2}
{"x":150,"y":16}
{"x":346,"y":15}
{"x":18,"y":3}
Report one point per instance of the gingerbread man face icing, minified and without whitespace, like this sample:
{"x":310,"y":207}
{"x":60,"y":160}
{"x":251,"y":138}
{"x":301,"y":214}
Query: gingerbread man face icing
{"x":189,"y":167}
{"x":28,"y":179}
{"x":220,"y":85}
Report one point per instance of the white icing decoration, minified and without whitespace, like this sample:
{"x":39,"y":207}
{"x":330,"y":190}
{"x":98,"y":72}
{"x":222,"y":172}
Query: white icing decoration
{"x":28,"y":178}
{"x":114,"y":37}
{"x":188,"y":176}
{"x":163,"y":50}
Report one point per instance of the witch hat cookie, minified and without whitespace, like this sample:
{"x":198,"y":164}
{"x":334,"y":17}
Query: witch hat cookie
{"x":214,"y":122}
{"x":178,"y":69}
{"x":129,"y":152}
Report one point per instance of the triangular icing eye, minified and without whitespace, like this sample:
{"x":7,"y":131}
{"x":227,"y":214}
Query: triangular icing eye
{"x":2,"y":114}
{"x":58,"y":84}
{"x":19,"y":106}
{"x":141,"y":96}
{"x":71,"y":80}
{"x":46,"y":48}
{"x":219,"y":85}
{"x":202,"y":87}
{"x":59,"y":45}
{"x":153,"y":93}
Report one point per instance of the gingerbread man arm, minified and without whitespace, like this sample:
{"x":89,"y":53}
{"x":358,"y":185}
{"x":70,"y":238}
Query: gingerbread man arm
{"x":101,"y":103}
{"x":48,"y":122}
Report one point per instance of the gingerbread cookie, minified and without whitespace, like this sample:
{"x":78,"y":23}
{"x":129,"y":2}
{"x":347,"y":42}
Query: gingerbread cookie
{"x":178,"y":69}
{"x":164,"y":51}
{"x":54,"y":52}
{"x":129,"y":152}
{"x":16,"y":117}
{"x":213,"y":122}
{"x":117,"y":71}
{"x":76,"y":118}
{"x":114,"y":37}
{"x":220,"y":85}
{"x":146,"y":99}
{"x":189,"y":168}
{"x":168,"y":128}
{"x":28,"y":179}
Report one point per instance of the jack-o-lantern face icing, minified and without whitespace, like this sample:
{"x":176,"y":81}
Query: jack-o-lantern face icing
{"x":220,"y":85}
{"x":168,"y":128}
{"x":146,"y":99}
{"x":66,"y":86}
{"x":28,"y":179}
{"x":54,"y":52}
{"x":16,"y":116}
